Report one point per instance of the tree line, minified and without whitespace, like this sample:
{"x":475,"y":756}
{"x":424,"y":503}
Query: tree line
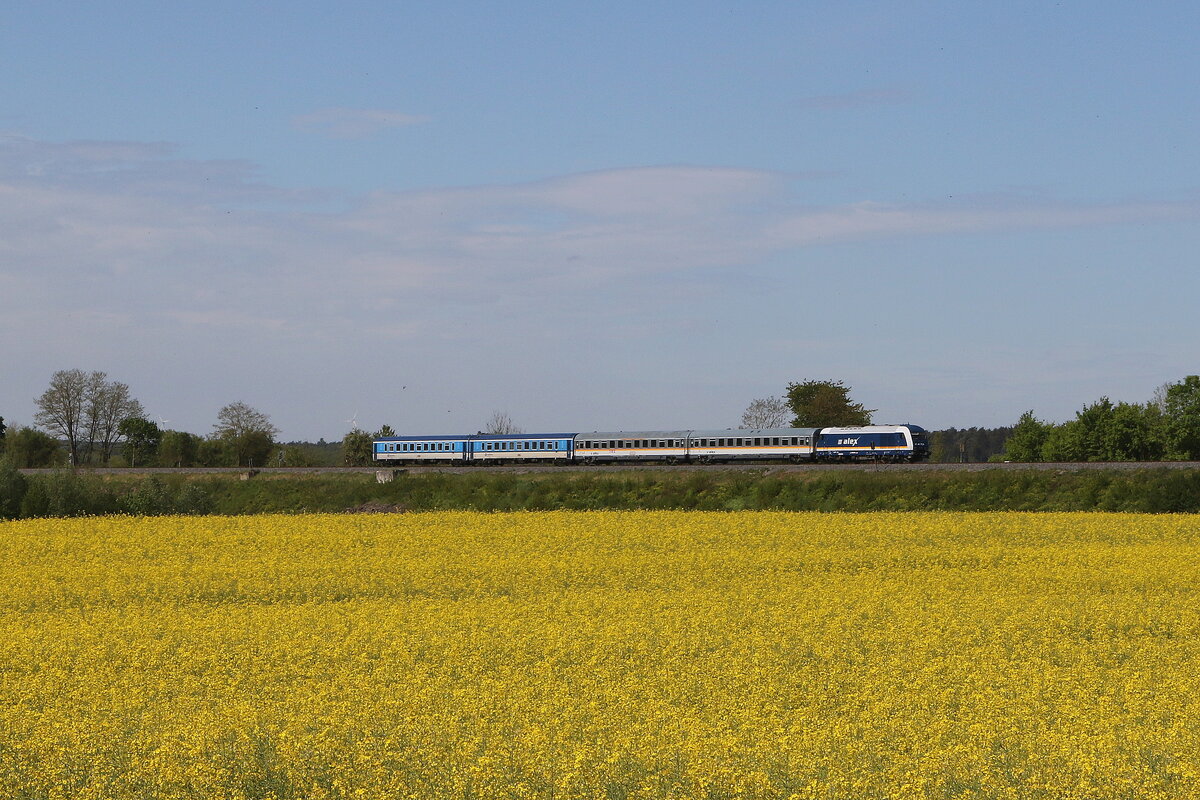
{"x":1167,"y":427}
{"x":86,"y":419}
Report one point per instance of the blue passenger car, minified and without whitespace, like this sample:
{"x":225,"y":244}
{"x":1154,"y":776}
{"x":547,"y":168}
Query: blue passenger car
{"x":482,"y":447}
{"x":501,"y":448}
{"x":422,"y":449}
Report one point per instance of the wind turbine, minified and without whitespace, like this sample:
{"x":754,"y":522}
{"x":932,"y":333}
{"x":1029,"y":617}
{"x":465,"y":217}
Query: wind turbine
{"x":353,"y":422}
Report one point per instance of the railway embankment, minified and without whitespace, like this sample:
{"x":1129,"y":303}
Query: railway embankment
{"x":1148,"y":488}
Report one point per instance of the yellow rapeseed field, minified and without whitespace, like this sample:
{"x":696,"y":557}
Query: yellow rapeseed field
{"x":601,"y":655}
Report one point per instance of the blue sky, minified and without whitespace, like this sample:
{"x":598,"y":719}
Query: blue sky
{"x":598,"y":215}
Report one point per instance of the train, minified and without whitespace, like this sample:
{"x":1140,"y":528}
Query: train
{"x":881,"y":443}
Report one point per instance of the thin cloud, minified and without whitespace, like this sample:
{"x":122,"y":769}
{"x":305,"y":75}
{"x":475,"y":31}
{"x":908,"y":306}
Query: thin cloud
{"x":859,"y":99}
{"x":69,"y":244}
{"x":353,"y":123}
{"x":873,"y":220}
{"x":135,"y":171}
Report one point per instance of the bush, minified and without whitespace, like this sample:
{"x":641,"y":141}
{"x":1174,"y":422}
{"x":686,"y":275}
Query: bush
{"x":12,"y":489}
{"x":150,"y":498}
{"x":66,"y":494}
{"x":29,"y":448}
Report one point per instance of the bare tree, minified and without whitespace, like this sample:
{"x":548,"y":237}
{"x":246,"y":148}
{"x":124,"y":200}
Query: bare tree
{"x":62,"y":407}
{"x":87,"y":410}
{"x":1159,"y":398}
{"x":501,"y":422}
{"x":766,"y":412}
{"x":238,"y":419}
{"x":247,"y":432}
{"x":111,"y":405}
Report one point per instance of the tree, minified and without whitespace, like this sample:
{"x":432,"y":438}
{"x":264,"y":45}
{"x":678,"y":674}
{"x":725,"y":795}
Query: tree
{"x":246,"y":433}
{"x":93,"y":391}
{"x":967,"y":445}
{"x":500,"y":423}
{"x":1065,"y":443}
{"x":29,"y":448}
{"x":1182,"y":413}
{"x":1133,"y":432}
{"x":1027,"y":439}
{"x":86,"y":409}
{"x":3,"y":428}
{"x":62,"y":406}
{"x":297,"y":455}
{"x":356,"y":449}
{"x":214,"y":452}
{"x":820,"y":404}
{"x":1083,"y":438}
{"x":142,"y":438}
{"x":178,"y":449}
{"x":766,"y":412}
{"x":110,"y":404}
{"x":385,"y":432}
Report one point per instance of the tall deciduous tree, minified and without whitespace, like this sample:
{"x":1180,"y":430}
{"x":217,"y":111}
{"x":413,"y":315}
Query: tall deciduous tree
{"x":87,"y":410}
{"x":766,"y":412}
{"x":1028,"y":438}
{"x":1182,"y":412}
{"x":825,"y":404}
{"x":93,"y":394}
{"x":62,"y":408}
{"x":142,"y":438}
{"x":178,"y":449}
{"x":110,"y":405}
{"x":247,"y":434}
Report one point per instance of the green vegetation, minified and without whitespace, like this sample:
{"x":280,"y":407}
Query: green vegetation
{"x":1165,"y":428}
{"x":825,"y":404}
{"x":66,"y":493}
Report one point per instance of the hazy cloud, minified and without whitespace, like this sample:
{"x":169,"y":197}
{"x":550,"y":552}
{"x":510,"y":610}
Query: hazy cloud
{"x":180,"y":239}
{"x":353,"y":123}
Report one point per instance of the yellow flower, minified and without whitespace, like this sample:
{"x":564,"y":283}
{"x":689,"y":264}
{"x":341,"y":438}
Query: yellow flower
{"x":591,"y":655}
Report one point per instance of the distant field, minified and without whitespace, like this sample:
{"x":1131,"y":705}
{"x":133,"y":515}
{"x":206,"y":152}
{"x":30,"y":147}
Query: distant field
{"x":602,"y":654}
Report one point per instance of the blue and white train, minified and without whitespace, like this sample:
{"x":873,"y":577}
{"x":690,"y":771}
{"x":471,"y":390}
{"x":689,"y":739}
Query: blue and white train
{"x":891,"y":443}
